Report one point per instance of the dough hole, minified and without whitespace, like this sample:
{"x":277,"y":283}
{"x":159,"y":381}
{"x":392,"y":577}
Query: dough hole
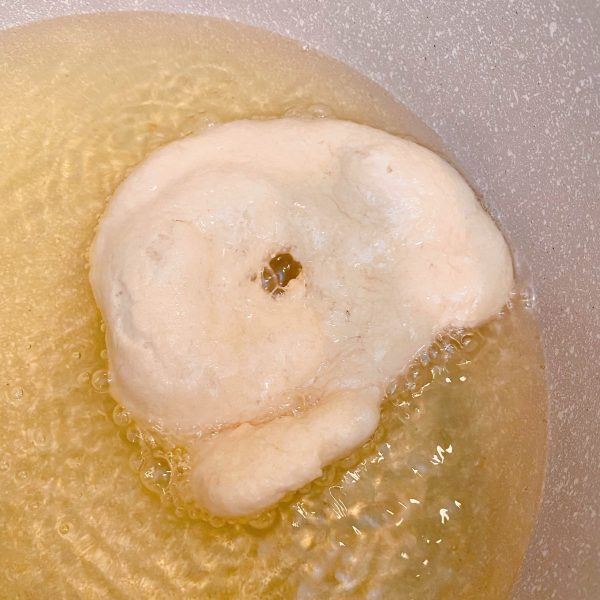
{"x":282,"y":269}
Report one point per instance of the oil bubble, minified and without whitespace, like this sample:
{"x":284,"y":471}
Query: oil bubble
{"x":434,"y":352}
{"x":100,"y":380}
{"x":150,"y":441}
{"x":206,"y":120}
{"x":155,"y":474}
{"x":216,"y":521}
{"x":417,"y":379}
{"x":392,"y":388}
{"x":83,"y":377}
{"x":321,"y":111}
{"x":527,"y":299}
{"x":121,"y":416}
{"x":194,"y":513}
{"x":424,"y":359}
{"x":166,"y":497}
{"x":263,"y":521}
{"x":449,"y":349}
{"x":133,"y":435}
{"x":136,"y":462}
{"x":64,"y":528}
{"x":470,"y":342}
{"x":39,"y":439}
{"x":438,"y":371}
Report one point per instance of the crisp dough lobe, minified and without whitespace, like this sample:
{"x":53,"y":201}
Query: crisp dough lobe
{"x":267,"y":390}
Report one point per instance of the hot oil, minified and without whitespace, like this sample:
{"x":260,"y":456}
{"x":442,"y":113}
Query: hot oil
{"x":438,"y":505}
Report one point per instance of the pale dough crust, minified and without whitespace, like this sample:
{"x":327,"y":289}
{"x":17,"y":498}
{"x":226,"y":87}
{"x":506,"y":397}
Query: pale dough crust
{"x":394,"y":248}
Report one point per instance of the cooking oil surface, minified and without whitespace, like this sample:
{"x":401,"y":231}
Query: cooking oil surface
{"x":438,"y":505}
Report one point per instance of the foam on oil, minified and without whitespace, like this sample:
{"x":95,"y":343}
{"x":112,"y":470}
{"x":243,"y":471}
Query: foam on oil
{"x":438,"y":505}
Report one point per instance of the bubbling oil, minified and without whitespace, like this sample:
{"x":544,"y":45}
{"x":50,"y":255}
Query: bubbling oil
{"x":438,"y":504}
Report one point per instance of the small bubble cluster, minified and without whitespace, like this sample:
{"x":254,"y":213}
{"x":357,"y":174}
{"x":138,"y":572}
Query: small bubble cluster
{"x":163,"y":469}
{"x":434,"y":363}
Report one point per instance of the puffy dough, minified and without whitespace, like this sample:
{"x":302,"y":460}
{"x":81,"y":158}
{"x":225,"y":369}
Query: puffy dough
{"x":257,"y":465}
{"x":394,"y":248}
